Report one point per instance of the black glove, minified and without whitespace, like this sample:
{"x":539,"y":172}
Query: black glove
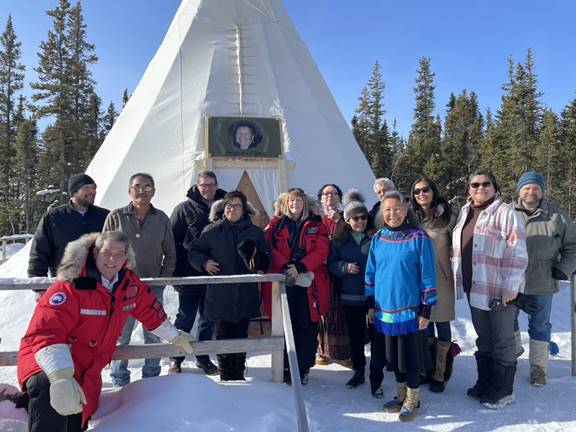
{"x":300,"y":267}
{"x":246,"y":249}
{"x":558,"y":274}
{"x":527,"y":304}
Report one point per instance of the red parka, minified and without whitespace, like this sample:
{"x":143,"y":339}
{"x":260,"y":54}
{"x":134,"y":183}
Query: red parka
{"x":315,"y":244}
{"x":85,"y":315}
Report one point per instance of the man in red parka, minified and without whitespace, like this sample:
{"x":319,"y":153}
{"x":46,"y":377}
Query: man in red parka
{"x":75,"y":326}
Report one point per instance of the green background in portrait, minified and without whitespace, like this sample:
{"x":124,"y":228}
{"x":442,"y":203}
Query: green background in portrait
{"x":221,"y":137}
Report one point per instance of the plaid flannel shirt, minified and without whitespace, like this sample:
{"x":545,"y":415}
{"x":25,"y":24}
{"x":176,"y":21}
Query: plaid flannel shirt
{"x":499,"y":256}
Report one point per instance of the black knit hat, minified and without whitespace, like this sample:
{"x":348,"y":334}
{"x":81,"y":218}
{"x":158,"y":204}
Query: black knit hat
{"x":77,"y":181}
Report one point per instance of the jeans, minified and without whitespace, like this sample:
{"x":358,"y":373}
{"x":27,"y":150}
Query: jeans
{"x":539,"y":327}
{"x":120,"y":374}
{"x":188,"y":306}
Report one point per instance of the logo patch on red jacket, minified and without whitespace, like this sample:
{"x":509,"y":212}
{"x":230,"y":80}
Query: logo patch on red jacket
{"x":58,"y":299}
{"x":311,"y":230}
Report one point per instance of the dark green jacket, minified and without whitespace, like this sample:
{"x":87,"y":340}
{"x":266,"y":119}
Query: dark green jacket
{"x":551,"y":243}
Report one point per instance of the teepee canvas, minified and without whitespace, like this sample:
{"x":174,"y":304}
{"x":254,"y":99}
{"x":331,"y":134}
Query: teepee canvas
{"x":223,"y":62}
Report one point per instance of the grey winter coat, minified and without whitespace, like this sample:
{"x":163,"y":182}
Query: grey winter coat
{"x":226,"y":243}
{"x":444,"y":309}
{"x":151,"y":240}
{"x":343,"y":251}
{"x":551,"y":243}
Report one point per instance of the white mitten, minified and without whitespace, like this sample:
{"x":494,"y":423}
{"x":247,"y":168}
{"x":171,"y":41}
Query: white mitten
{"x":66,"y":395}
{"x":183,"y":341}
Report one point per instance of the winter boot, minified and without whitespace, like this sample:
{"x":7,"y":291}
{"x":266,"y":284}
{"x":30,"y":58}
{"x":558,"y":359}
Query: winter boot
{"x":395,"y":405}
{"x":501,"y":391}
{"x":410,"y":406}
{"x":376,"y":378}
{"x":438,"y":383}
{"x":226,"y":367}
{"x":204,"y":363}
{"x":356,"y":380}
{"x":238,"y":365}
{"x":538,"y":361}
{"x":432,"y":346}
{"x":483,"y":364}
{"x":518,"y":344}
{"x":175,"y":367}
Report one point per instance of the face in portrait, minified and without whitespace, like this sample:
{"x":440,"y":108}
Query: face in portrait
{"x":246,"y":136}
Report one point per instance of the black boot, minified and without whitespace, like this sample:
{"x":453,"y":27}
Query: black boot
{"x":225,"y":367}
{"x":376,"y":378}
{"x":501,"y":391}
{"x":238,"y":367}
{"x":204,"y":363}
{"x":484,"y":365}
{"x":356,"y":380}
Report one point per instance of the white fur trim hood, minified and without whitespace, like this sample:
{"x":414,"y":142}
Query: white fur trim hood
{"x":75,"y":256}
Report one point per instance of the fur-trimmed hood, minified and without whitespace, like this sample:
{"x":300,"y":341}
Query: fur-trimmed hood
{"x":313,"y":205}
{"x":75,"y":257}
{"x":217,"y":210}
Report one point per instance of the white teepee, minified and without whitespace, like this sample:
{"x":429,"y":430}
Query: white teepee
{"x":228,"y":58}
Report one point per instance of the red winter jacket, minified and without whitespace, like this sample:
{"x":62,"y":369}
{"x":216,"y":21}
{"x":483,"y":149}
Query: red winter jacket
{"x":85,"y":315}
{"x":314,"y":241}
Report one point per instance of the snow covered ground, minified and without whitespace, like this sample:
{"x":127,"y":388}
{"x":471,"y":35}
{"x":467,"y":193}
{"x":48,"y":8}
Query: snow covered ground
{"x":195,"y":402}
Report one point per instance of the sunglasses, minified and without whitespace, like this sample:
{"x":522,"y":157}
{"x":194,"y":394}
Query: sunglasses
{"x":423,"y":190}
{"x":483,"y":184}
{"x":359,"y":218}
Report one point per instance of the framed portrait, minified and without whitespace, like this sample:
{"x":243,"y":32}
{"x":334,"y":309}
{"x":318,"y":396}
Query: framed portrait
{"x":244,"y":137}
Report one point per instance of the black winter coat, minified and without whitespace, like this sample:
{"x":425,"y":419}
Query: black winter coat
{"x":188,"y":220}
{"x":58,"y":227}
{"x":342,"y":252}
{"x":224,"y":243}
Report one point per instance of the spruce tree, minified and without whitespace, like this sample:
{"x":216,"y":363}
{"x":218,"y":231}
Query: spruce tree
{"x":125,"y":98}
{"x":360,"y":123}
{"x":26,"y":167}
{"x":92,"y":132}
{"x":549,"y":160}
{"x":461,"y":143}
{"x":108,"y":120}
{"x":85,"y":103}
{"x":567,"y":189}
{"x":63,"y":93}
{"x":53,"y":97}
{"x":11,"y":82}
{"x":423,"y":148}
{"x":518,"y":123}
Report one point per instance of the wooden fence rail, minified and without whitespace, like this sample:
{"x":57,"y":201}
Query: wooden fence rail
{"x":281,"y":336}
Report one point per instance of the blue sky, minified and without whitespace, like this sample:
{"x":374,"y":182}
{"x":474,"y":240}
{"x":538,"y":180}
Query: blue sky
{"x":468,"y":43}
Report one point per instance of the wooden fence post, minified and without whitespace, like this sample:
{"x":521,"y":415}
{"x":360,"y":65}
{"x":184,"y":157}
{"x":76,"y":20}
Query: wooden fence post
{"x":277,"y":330}
{"x":293,"y":361}
{"x":573,"y":319}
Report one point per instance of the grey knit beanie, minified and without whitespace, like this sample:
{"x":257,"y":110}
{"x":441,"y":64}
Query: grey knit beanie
{"x":353,"y":202}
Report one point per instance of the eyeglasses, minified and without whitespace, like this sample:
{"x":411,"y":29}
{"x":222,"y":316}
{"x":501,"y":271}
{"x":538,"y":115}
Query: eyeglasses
{"x":359,"y":218}
{"x":329,"y":193}
{"x":142,"y":189}
{"x":233,"y":206}
{"x":483,"y":184}
{"x":206,"y":185}
{"x":422,"y":190}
